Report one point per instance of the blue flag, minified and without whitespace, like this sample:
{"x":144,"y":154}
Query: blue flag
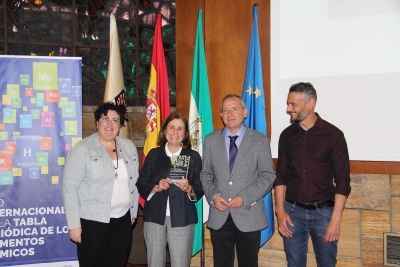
{"x":253,"y":95}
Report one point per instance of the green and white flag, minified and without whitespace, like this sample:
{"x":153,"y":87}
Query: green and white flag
{"x":200,"y":121}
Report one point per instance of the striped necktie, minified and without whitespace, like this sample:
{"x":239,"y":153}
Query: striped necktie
{"x":232,"y":151}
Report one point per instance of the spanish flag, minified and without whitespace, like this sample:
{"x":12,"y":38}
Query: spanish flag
{"x":157,"y":104}
{"x":115,"y":89}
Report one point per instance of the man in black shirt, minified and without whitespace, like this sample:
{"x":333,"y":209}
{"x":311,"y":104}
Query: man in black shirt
{"x":313,"y":181}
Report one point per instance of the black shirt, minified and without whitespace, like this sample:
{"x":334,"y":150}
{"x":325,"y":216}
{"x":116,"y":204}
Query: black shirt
{"x":314,"y":165}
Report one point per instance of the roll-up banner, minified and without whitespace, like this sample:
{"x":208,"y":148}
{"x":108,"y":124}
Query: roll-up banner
{"x":40,"y":121}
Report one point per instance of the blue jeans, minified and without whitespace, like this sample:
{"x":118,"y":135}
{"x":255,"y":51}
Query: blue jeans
{"x":309,"y":223}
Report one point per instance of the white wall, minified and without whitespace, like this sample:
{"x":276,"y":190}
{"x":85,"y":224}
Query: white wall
{"x":350,"y":51}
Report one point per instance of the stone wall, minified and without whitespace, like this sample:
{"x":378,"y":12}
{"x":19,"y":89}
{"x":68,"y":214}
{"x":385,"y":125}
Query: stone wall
{"x":373,"y":208}
{"x":136,"y":121}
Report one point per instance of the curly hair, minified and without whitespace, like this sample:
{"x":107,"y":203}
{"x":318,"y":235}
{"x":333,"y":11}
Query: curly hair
{"x":105,"y":107}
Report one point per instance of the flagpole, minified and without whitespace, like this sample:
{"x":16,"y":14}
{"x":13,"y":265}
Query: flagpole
{"x":202,"y":255}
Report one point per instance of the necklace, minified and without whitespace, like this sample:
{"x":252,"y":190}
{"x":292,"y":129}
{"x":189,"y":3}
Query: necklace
{"x":116,"y":153}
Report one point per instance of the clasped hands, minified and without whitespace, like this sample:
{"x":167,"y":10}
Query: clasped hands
{"x":165,"y":183}
{"x":221,"y":204}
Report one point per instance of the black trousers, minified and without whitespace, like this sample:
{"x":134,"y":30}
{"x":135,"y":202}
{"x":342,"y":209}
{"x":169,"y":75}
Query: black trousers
{"x":224,"y":240}
{"x":105,"y":244}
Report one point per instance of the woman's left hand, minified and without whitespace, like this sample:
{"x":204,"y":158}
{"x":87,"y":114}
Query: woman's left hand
{"x":133,"y":221}
{"x":185,"y":186}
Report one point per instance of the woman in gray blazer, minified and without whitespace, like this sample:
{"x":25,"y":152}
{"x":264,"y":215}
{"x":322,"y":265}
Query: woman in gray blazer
{"x":169,"y":213}
{"x":99,"y":191}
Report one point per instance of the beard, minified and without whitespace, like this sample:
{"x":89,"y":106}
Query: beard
{"x":301,"y":116}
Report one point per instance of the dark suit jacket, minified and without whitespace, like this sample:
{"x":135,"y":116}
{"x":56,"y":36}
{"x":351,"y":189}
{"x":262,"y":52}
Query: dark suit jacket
{"x":182,"y":209}
{"x":252,"y":177}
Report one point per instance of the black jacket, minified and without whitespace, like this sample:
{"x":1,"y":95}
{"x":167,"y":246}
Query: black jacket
{"x":182,"y":209}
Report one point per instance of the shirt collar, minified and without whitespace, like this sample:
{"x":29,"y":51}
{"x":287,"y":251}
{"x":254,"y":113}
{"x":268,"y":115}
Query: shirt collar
{"x":169,"y":154}
{"x":318,"y":123}
{"x":96,"y":140}
{"x":239,"y":133}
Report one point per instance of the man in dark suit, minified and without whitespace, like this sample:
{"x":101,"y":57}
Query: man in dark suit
{"x":237,"y":173}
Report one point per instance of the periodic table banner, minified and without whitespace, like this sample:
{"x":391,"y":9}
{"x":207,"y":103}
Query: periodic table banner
{"x":40,"y":121}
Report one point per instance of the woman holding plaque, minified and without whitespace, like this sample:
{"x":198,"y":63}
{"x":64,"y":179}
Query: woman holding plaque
{"x":169,"y":213}
{"x":99,"y":192}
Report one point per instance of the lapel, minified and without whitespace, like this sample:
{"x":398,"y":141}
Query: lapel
{"x":243,"y":148}
{"x":163,"y":161}
{"x":221,"y":147}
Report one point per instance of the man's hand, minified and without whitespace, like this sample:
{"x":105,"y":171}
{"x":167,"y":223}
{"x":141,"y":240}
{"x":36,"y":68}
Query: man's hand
{"x":283,"y":219}
{"x":236,"y":202}
{"x":75,"y":235}
{"x":332,"y":231}
{"x":220,"y":203}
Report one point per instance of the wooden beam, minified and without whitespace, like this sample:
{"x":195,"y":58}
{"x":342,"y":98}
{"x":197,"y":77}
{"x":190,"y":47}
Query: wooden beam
{"x":371,"y":167}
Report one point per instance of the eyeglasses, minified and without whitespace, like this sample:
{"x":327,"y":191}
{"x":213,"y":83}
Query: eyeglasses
{"x":112,"y":120}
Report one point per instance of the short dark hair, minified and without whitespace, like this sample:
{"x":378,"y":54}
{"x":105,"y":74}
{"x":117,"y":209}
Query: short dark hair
{"x":162,"y":140}
{"x":304,"y":88}
{"x":242,"y":103}
{"x":105,"y":107}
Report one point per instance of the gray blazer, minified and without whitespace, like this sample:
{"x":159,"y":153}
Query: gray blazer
{"x":252,"y":177}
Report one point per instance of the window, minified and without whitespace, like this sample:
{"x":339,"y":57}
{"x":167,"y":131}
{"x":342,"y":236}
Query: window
{"x":81,"y":28}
